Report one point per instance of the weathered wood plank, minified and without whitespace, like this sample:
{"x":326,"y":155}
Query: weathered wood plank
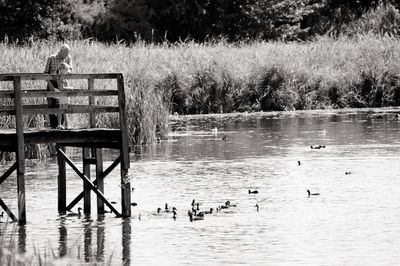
{"x":92,"y":102}
{"x":62,"y":182}
{"x":19,"y":124}
{"x":124,"y":151}
{"x":69,"y":109}
{"x":63,"y":93}
{"x":8,"y":211}
{"x":86,"y":186}
{"x":42,"y":76}
{"x":68,"y":137}
{"x":8,"y":172}
{"x":99,"y":179}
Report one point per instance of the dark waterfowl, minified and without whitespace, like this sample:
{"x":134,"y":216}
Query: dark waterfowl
{"x":311,"y":194}
{"x":206,"y":212}
{"x":253,"y":192}
{"x":229,"y":203}
{"x":166,"y":208}
{"x":299,"y":163}
{"x":133,"y":204}
{"x":174,"y":213}
{"x":113,"y":202}
{"x":347,"y":173}
{"x":75,"y":214}
{"x":317,"y":147}
{"x":193,"y":202}
{"x":2,"y":214}
{"x":194,"y":217}
{"x":224,"y":138}
{"x":258,"y":207}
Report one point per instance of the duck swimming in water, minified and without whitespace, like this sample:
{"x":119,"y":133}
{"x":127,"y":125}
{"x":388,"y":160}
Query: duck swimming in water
{"x":174,"y":213}
{"x":229,"y":203}
{"x":317,"y":147}
{"x":194,"y":217}
{"x":258,"y":207}
{"x":75,"y":214}
{"x":206,"y":212}
{"x":253,"y":192}
{"x":311,"y":194}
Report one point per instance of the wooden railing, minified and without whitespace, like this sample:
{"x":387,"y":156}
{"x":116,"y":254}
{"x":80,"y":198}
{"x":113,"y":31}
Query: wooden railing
{"x":18,"y":93}
{"x":18,"y":108}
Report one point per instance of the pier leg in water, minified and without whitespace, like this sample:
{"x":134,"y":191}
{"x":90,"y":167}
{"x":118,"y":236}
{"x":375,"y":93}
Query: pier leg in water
{"x":100,"y":179}
{"x":86,"y":188}
{"x":62,"y":183}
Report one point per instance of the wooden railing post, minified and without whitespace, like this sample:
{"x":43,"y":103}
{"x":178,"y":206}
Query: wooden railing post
{"x":124,"y":151}
{"x":92,"y":102}
{"x":19,"y":124}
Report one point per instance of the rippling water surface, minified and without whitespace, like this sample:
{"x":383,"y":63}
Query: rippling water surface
{"x":354,"y":220}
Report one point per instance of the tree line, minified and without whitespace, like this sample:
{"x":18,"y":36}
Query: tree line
{"x":179,"y":20}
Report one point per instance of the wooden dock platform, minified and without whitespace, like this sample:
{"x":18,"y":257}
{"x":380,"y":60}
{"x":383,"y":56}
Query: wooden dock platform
{"x":92,"y":140}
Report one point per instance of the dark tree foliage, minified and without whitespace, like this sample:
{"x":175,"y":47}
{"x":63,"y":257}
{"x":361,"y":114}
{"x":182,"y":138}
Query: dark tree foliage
{"x":21,"y":20}
{"x":200,"y":19}
{"x":174,"y":20}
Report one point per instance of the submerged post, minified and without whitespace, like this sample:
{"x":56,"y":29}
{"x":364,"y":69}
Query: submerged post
{"x":62,"y":182}
{"x":124,"y":150}
{"x":86,"y":188}
{"x":19,"y":125}
{"x":100,"y":179}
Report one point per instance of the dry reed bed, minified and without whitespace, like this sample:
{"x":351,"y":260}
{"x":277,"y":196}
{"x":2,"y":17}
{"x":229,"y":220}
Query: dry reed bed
{"x":220,"y":77}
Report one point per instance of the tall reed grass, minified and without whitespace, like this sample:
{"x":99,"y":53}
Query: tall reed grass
{"x":215,"y":77}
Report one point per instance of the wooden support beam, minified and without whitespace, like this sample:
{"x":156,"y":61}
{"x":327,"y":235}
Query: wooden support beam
{"x":8,"y":172}
{"x":90,"y":184}
{"x":19,"y":124}
{"x":104,"y":174}
{"x":124,"y":151}
{"x":86,"y":186}
{"x":62,"y":182}
{"x":99,"y":179}
{"x":8,"y":211}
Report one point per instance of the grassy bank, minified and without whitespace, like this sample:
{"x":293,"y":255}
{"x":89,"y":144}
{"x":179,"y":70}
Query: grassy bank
{"x":190,"y":78}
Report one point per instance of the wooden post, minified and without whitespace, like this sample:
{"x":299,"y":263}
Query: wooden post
{"x":92,"y":102}
{"x":62,"y":182}
{"x":100,"y":179}
{"x":124,"y":150}
{"x":19,"y":124}
{"x":86,"y":188}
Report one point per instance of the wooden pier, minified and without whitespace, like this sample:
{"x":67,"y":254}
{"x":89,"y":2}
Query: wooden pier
{"x":91,"y":140}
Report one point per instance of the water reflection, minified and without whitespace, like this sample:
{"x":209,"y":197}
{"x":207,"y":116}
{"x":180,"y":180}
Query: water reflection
{"x":126,"y":241}
{"x":352,"y":213}
{"x":62,"y":241}
{"x":22,"y":238}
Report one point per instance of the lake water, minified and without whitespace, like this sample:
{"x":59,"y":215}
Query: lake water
{"x":354,"y":220}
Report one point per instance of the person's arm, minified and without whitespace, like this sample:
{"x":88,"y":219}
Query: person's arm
{"x":68,"y":60}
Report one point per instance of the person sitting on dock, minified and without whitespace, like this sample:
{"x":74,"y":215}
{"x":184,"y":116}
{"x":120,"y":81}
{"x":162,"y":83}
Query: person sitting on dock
{"x":52,"y":66}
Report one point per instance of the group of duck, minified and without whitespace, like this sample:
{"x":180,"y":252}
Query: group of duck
{"x":195,"y":214}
